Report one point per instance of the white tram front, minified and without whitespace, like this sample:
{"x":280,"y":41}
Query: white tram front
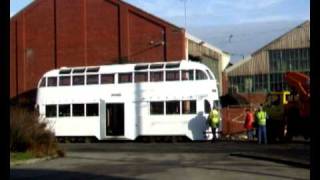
{"x":125,"y":101}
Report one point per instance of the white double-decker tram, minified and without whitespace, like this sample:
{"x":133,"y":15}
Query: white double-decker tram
{"x":125,"y":101}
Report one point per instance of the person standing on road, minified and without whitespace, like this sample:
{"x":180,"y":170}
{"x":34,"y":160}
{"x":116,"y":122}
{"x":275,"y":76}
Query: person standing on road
{"x":262,"y":121}
{"x":249,"y":119}
{"x":214,"y":121}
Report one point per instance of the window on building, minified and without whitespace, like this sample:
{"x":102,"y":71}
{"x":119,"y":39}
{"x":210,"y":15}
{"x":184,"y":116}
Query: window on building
{"x":64,"y":110}
{"x":125,"y":77}
{"x":189,"y":107}
{"x":172,"y":76}
{"x":173,"y":107}
{"x":52,"y":81}
{"x":200,"y":75}
{"x":77,"y":80}
{"x":51,"y":111}
{"x":107,"y":79}
{"x":187,"y":75}
{"x":156,"y":107}
{"x":92,"y":109}
{"x":64,"y":81}
{"x":92,"y":79}
{"x":140,"y":77}
{"x":207,"y":107}
{"x":77,"y":109}
{"x":156,"y":76}
{"x":43,"y":82}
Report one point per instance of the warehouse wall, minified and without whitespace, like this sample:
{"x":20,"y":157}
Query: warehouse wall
{"x":50,"y":34}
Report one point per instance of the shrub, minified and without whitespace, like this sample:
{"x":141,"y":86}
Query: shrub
{"x":28,"y":133}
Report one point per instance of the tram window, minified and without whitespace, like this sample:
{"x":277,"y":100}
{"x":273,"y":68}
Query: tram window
{"x":189,"y":107}
{"x":107,"y":79}
{"x":64,"y":81}
{"x":92,"y":109}
{"x":173,"y":107}
{"x":78,"y":80}
{"x":51,"y":110}
{"x":140,"y":76}
{"x":93,"y":79}
{"x":187,"y":75}
{"x":43,"y":82}
{"x":52,"y":81}
{"x":125,"y":78}
{"x":141,"y":67}
{"x":65,"y":71}
{"x":172,"y":75}
{"x":207,"y":107}
{"x":156,"y":76}
{"x":156,"y":66}
{"x":210,"y":76}
{"x":64,"y":110}
{"x":77,"y":109}
{"x":169,"y":66}
{"x":95,"y":69}
{"x":76,"y":71}
{"x":200,"y":75}
{"x":156,"y":107}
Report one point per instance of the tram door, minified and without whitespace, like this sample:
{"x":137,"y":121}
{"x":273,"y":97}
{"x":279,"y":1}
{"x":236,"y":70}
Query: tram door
{"x":115,"y":119}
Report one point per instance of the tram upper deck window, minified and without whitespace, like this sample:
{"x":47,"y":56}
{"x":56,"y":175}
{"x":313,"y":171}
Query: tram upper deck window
{"x":173,"y":107}
{"x":175,"y":65}
{"x":64,"y":81}
{"x":51,"y":110}
{"x":141,"y":67}
{"x":156,"y":66}
{"x":140,"y":76}
{"x":52,"y":81}
{"x":106,"y":78}
{"x":90,"y":70}
{"x":43,"y":82}
{"x":156,"y":108}
{"x":92,"y":109}
{"x":64,"y":110}
{"x":156,"y":76}
{"x":65,"y":71}
{"x":172,"y":76}
{"x":125,"y":77}
{"x":187,"y":75}
{"x":210,"y":76}
{"x":92,"y":79}
{"x":78,"y":80}
{"x":78,"y":71}
{"x":200,"y":75}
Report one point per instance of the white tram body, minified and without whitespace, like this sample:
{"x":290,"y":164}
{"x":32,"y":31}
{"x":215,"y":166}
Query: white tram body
{"x":125,"y":101}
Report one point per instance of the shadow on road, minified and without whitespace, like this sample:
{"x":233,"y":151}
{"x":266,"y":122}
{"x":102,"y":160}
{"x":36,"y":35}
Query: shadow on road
{"x":56,"y":174}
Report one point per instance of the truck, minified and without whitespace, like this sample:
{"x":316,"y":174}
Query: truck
{"x":289,"y":111}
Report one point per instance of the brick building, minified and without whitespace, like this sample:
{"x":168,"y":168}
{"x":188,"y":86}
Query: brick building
{"x":49,"y":34}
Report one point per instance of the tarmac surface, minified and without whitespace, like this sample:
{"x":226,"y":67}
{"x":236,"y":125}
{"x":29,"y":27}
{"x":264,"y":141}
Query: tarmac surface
{"x":190,"y":160}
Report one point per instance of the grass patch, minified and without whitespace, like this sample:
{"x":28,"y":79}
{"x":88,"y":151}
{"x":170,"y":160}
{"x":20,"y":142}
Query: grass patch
{"x":21,"y":156}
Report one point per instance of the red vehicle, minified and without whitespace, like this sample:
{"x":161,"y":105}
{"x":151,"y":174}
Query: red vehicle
{"x":297,"y":111}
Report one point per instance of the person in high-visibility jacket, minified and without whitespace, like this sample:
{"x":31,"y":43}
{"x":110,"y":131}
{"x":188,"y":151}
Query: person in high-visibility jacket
{"x":261,"y":118}
{"x":214,"y":121}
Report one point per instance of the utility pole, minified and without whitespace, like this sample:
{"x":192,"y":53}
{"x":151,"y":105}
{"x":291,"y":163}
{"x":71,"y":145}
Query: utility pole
{"x":185,"y":13}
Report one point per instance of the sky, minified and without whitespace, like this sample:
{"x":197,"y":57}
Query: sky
{"x":250,"y":23}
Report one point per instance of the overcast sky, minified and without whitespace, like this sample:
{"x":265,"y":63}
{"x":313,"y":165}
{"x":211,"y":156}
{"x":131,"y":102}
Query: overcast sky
{"x":252,"y":23}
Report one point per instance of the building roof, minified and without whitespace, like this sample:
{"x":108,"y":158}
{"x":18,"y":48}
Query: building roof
{"x":238,"y":64}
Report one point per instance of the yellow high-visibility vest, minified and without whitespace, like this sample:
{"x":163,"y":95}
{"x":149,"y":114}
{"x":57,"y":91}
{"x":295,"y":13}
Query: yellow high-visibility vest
{"x":214,"y":117}
{"x":262,"y":118}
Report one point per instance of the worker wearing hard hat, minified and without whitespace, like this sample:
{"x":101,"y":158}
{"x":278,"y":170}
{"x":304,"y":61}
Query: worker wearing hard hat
{"x":261,"y":118}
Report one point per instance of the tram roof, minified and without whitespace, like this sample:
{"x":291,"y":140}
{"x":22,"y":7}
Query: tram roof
{"x":115,"y":68}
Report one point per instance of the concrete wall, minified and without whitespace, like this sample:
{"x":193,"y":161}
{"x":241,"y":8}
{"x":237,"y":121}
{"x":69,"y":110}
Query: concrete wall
{"x":50,"y":34}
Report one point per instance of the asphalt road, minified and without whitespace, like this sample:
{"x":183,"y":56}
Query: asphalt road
{"x":196,"y":160}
